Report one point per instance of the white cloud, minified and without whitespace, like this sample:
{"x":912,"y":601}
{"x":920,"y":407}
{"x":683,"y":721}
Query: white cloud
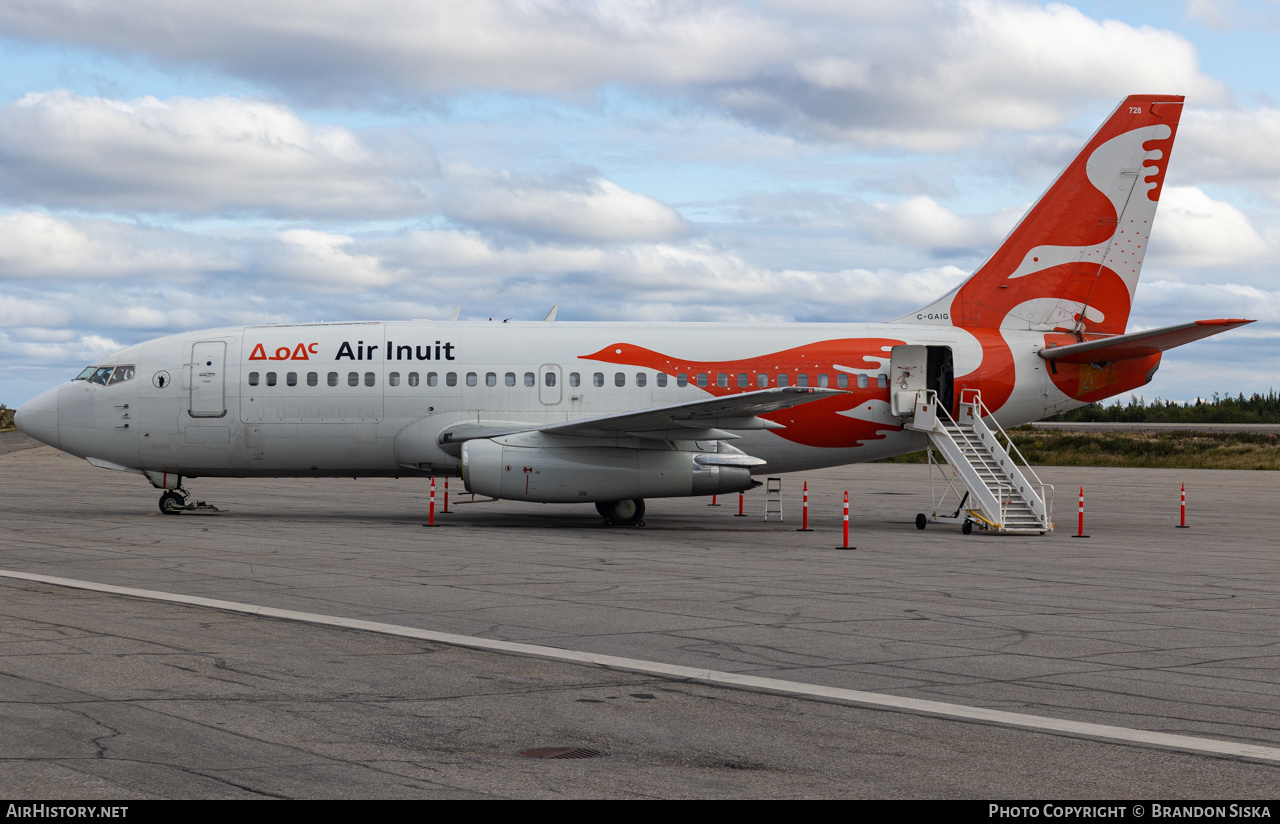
{"x":323,"y":262}
{"x":1194,"y":230}
{"x":200,"y":156}
{"x":1233,"y":146}
{"x":924,"y":75}
{"x":39,"y":246}
{"x":18,"y":312}
{"x":595,"y":210}
{"x":943,"y":80}
{"x":924,"y":223}
{"x":348,"y":49}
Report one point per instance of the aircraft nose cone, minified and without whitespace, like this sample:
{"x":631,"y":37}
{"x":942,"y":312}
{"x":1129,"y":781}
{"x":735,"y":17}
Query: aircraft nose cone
{"x":38,"y":417}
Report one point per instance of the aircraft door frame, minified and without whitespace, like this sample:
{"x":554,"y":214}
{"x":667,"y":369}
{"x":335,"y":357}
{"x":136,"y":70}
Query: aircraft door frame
{"x":941,"y":376}
{"x":551,"y":393}
{"x":207,"y":381}
{"x":908,"y":374}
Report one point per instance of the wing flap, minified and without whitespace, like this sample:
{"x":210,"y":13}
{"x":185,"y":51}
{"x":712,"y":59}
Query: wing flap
{"x":1138,"y":344}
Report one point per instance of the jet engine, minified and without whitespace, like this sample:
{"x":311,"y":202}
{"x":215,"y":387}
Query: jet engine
{"x":529,"y":467}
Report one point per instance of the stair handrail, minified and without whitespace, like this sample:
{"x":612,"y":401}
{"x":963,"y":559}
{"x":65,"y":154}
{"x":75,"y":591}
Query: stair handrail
{"x":984,"y":414}
{"x":931,"y":397}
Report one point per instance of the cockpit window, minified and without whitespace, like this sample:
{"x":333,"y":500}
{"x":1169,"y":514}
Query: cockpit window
{"x":107,"y":375}
{"x":101,"y":375}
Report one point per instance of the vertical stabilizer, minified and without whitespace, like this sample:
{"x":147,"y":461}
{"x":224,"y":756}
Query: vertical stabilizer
{"x":1072,"y":263}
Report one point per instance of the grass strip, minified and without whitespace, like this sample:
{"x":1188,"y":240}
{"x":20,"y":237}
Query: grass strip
{"x":1149,"y":450}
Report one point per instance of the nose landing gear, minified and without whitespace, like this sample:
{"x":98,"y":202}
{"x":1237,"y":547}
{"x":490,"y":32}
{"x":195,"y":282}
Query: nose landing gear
{"x":175,"y":500}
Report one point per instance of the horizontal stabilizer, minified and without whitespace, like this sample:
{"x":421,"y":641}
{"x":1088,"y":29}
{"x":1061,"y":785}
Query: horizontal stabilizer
{"x":1139,"y":344}
{"x":730,"y":412}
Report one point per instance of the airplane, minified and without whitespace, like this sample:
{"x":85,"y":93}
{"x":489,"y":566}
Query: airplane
{"x":612,"y":414}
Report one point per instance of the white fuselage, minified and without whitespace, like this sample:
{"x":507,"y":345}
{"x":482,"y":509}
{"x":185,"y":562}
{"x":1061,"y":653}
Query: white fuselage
{"x":361,"y":399}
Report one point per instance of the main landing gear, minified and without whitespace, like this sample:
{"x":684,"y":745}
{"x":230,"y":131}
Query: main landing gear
{"x":622,"y":513}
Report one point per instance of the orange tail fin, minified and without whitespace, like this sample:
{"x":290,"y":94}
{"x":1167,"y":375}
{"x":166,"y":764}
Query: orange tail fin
{"x":1072,"y":263}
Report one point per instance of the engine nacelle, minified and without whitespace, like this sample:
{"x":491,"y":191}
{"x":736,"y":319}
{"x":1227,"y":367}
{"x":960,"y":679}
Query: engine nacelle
{"x":569,"y":474}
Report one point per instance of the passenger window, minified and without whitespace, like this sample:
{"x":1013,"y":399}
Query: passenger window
{"x":662,"y":379}
{"x":882,"y":381}
{"x":122,"y":374}
{"x":394,"y":379}
{"x":432,"y":379}
{"x":842,"y":380}
{"x":722,"y":380}
{"x":529,"y":379}
{"x":271,"y":379}
{"x":641,"y":380}
{"x":619,"y":379}
{"x":451,"y":379}
{"x":782,"y":379}
{"x":510,"y":378}
{"x":549,"y":378}
{"x":253,"y":378}
{"x":413,"y":378}
{"x":822,"y":379}
{"x":369,"y":379}
{"x":682,"y":379}
{"x":472,"y":380}
{"x":597,"y":379}
{"x":762,"y":380}
{"x":353,"y":378}
{"x":862,"y":382}
{"x":742,"y":380}
{"x":802,"y":379}
{"x":490,"y":379}
{"x":313,"y":379}
{"x":703,"y":380}
{"x":575,"y":379}
{"x":333,"y":378}
{"x":291,"y":379}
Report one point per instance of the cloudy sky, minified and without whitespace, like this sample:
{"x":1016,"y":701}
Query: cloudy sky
{"x":169,"y":165}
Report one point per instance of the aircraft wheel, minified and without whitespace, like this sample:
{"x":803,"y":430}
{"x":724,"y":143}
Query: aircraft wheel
{"x":967,"y":528}
{"x":921,"y":521}
{"x":623,"y":513}
{"x":171,"y":503}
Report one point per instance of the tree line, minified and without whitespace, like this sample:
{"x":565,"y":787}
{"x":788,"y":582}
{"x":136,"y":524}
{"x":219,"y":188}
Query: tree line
{"x":1256,"y":408}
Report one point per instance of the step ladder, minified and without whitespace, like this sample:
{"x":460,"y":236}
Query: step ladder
{"x":773,"y":498}
{"x":984,"y":474}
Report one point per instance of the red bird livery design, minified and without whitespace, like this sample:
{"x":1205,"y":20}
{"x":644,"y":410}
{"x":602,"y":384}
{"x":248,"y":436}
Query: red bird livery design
{"x":612,"y":414}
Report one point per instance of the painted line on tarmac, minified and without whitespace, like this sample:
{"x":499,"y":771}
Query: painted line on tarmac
{"x":706,"y":676}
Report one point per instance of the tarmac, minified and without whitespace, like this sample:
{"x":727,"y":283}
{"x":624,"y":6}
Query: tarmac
{"x":1141,"y":627}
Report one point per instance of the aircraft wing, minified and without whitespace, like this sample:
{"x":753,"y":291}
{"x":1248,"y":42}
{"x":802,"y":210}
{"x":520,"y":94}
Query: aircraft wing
{"x":1137,"y":344}
{"x":697,"y":420}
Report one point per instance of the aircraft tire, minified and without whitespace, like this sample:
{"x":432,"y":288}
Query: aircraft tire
{"x":171,"y":503}
{"x":629,"y":512}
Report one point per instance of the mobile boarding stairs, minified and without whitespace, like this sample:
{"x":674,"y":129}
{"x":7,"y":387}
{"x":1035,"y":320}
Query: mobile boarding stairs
{"x":980,"y":477}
